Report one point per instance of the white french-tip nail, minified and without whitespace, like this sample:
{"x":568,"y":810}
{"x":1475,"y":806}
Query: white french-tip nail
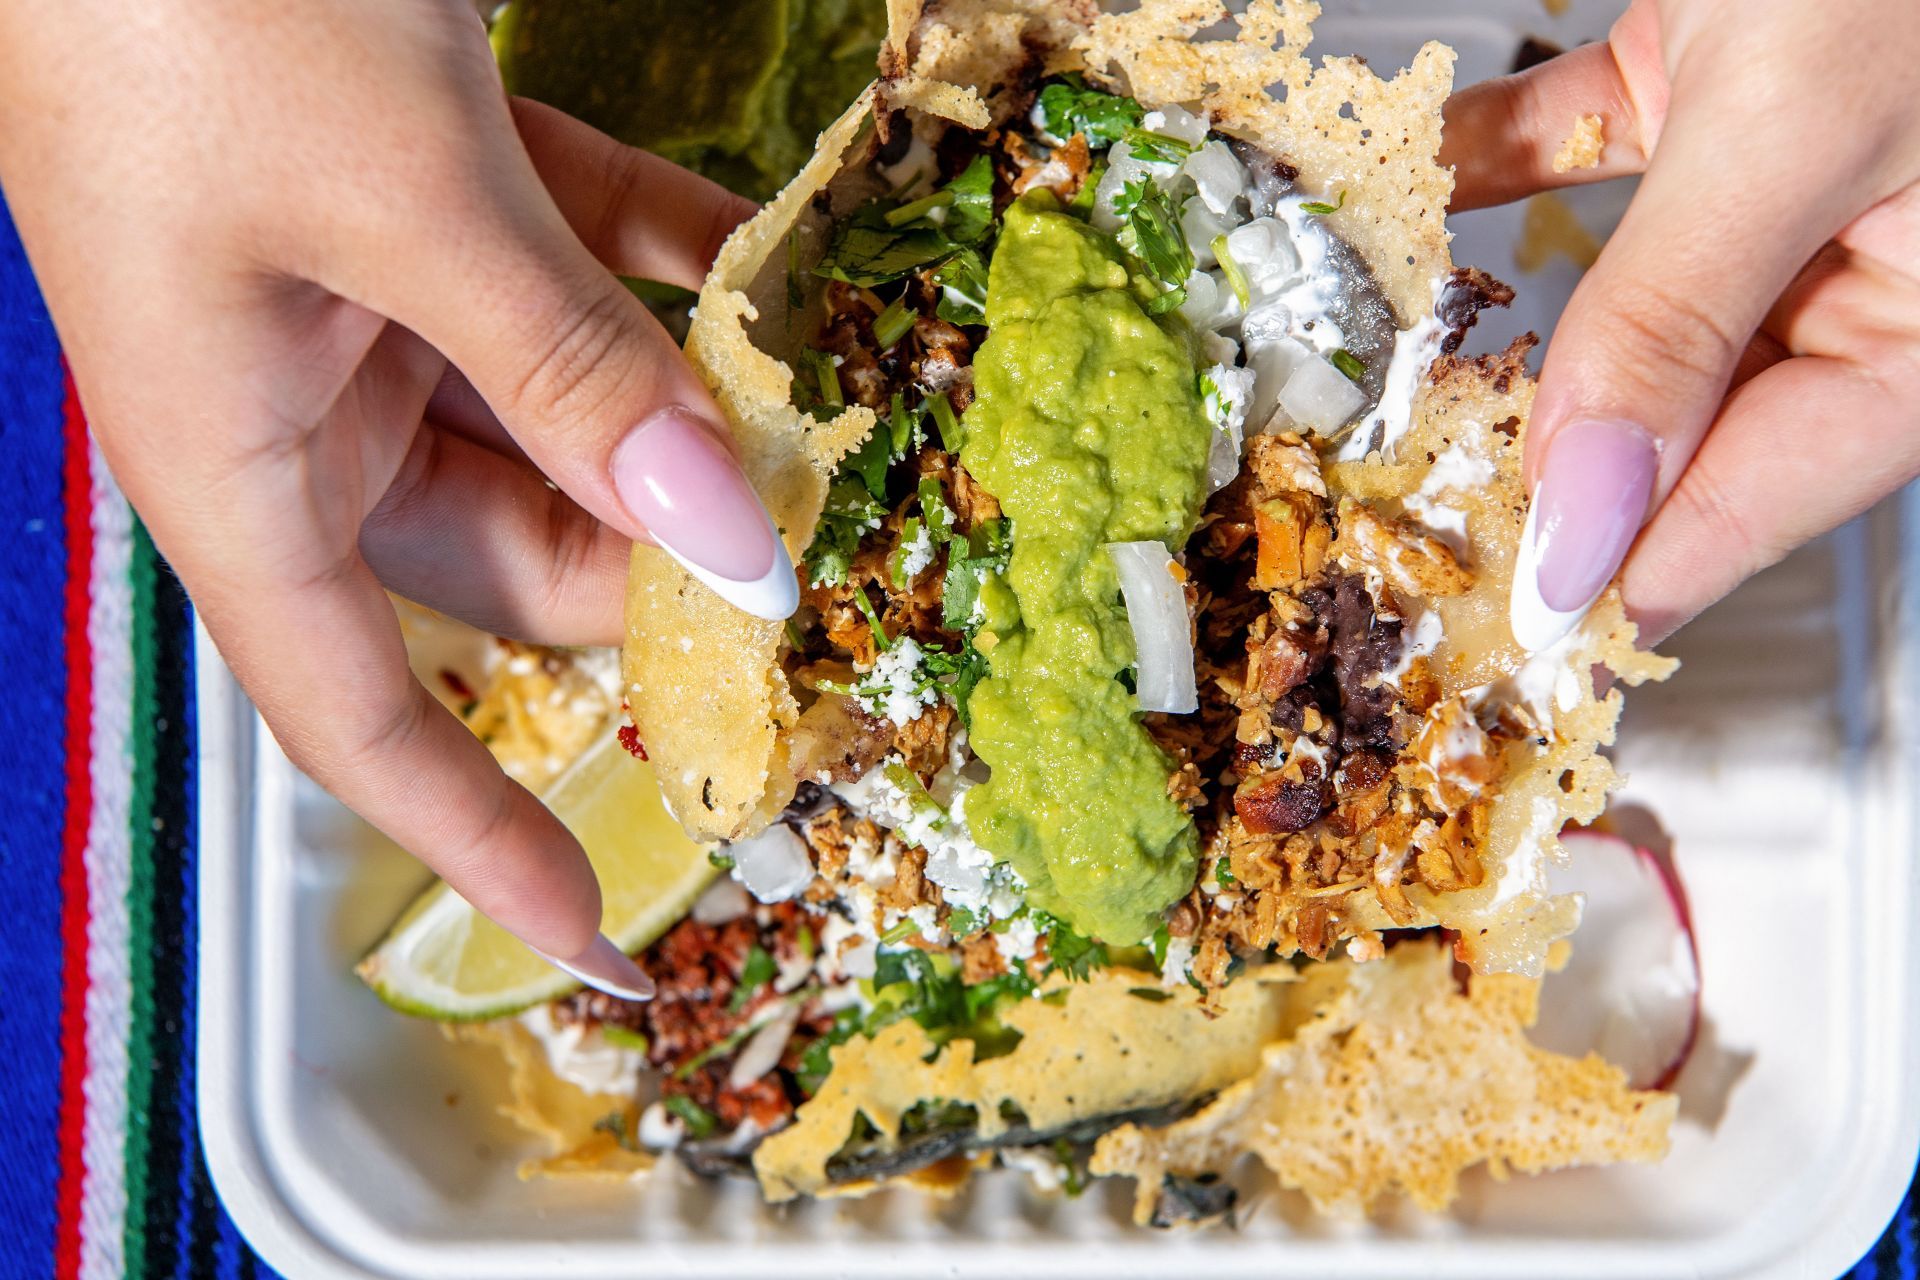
{"x":773,"y":595}
{"x":1536,"y":624}
{"x":678,"y":478}
{"x":607,"y":968}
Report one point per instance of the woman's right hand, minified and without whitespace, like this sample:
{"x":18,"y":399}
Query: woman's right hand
{"x":338,"y":312}
{"x":1740,"y":370}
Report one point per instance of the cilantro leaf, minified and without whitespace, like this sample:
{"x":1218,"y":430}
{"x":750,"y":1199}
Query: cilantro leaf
{"x":931,"y":998}
{"x":850,"y":512}
{"x":963,"y":288}
{"x":879,"y":243}
{"x":985,"y":551}
{"x":1067,"y":106}
{"x":970,"y":213}
{"x":817,"y":1061}
{"x":1153,"y":236}
{"x":870,"y":462}
{"x":756,"y":973}
{"x":973,"y":669}
{"x":700,"y":1122}
{"x":1164,"y":147}
{"x":614,"y":1123}
{"x":1069,"y":951}
{"x":864,"y":250}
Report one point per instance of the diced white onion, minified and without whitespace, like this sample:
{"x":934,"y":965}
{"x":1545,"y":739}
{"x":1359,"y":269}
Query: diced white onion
{"x":1217,"y":348}
{"x":1272,"y":364}
{"x":1162,"y":635}
{"x":1176,"y":122}
{"x":1200,"y":225}
{"x":1233,"y":389}
{"x":763,"y":1048}
{"x":1203,"y":297}
{"x":1223,"y":460}
{"x":1268,"y":322}
{"x":773,"y":865}
{"x":1217,"y":176}
{"x":724,"y":900}
{"x":1265,"y":251}
{"x":1319,"y":396}
{"x":1210,"y":304}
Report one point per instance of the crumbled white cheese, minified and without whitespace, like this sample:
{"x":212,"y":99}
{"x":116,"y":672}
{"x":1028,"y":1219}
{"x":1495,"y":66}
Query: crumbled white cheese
{"x":917,"y":555}
{"x":925,"y":919}
{"x":1179,"y":958}
{"x":1018,"y":940}
{"x":967,"y":875}
{"x":900,"y":690}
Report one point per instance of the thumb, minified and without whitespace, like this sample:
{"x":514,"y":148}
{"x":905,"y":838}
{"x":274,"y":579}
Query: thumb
{"x":1643,"y":355}
{"x":594,"y":390}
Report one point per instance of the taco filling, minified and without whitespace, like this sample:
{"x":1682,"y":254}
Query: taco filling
{"x":1149,"y":746}
{"x":1084,"y":633}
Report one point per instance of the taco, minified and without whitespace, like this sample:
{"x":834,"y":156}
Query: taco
{"x":1150,"y":742}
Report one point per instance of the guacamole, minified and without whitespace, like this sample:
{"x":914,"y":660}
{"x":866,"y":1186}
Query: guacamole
{"x":1089,"y":429}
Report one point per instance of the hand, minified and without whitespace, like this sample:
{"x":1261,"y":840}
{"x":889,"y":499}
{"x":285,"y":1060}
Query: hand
{"x":337,"y":310}
{"x":1740,"y":370}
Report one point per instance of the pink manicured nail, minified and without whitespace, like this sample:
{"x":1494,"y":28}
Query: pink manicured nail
{"x":605,"y":967}
{"x":673,"y":473}
{"x":1587,"y":509}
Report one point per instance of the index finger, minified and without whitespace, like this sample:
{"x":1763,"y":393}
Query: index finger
{"x":320,"y":653}
{"x":1503,"y":136}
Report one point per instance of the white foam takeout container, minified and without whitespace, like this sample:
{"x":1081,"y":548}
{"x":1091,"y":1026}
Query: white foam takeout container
{"x":348,"y":1141}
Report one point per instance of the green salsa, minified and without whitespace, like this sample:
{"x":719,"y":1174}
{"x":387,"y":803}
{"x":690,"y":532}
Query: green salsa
{"x":1088,"y":427}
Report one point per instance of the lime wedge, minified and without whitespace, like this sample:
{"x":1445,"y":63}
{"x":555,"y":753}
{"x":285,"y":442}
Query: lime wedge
{"x":446,"y":961}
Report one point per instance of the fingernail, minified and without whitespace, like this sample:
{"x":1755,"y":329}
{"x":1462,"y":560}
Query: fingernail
{"x":1586,"y":511}
{"x":605,"y":967}
{"x":673,"y":473}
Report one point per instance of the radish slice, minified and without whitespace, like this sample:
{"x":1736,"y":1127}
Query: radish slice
{"x":1162,"y":634}
{"x":1631,"y":992}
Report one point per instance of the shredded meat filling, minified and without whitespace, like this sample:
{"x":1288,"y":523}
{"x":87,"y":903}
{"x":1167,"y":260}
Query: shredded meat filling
{"x":698,"y":969}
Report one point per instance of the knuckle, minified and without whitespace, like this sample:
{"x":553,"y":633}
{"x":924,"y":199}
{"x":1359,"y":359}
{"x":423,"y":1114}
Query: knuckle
{"x":390,"y":731}
{"x":622,"y":182}
{"x":573,"y":374}
{"x":573,"y":546}
{"x":1662,"y":331}
{"x":1724,"y":527}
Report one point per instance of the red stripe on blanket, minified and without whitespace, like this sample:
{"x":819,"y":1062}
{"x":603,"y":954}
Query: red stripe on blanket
{"x":77,"y":482}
